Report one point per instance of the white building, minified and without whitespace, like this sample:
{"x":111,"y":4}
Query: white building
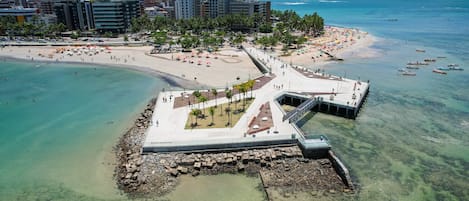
{"x":185,"y":9}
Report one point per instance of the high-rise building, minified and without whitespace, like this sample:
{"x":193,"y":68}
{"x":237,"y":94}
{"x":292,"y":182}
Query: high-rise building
{"x":250,"y":8}
{"x":114,"y":15}
{"x":185,"y":9}
{"x":75,"y":14}
{"x":214,"y":8}
{"x":150,"y":3}
{"x":46,"y":6}
{"x":21,"y":14}
{"x":7,"y":4}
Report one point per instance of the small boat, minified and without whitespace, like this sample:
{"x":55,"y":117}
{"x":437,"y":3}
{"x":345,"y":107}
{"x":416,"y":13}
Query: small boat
{"x":429,"y":60}
{"x":441,"y":57}
{"x":417,"y":63}
{"x":420,"y":50}
{"x":412,"y":67}
{"x":439,"y":71}
{"x":455,"y":68}
{"x":401,"y":70}
{"x":408,"y":73}
{"x":443,"y":68}
{"x":453,"y":65}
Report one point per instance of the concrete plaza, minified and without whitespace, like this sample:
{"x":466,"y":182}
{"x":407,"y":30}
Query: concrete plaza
{"x":167,"y":131}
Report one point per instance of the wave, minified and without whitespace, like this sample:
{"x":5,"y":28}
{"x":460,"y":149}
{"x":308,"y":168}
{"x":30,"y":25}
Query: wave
{"x":293,"y":3}
{"x":331,"y":1}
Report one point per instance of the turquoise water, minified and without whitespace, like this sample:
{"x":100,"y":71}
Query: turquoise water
{"x":58,"y":128}
{"x":410,"y":141}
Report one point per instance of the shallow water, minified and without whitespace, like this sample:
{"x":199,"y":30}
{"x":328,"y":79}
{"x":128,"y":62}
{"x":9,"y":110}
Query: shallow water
{"x":227,"y":187}
{"x":58,"y":126}
{"x":410,"y":141}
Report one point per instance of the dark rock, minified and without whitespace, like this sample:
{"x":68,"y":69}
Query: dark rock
{"x":240,"y":167}
{"x":195,"y":173}
{"x":174,"y":172}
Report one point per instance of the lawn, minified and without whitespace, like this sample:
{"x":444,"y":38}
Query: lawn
{"x":220,"y":118}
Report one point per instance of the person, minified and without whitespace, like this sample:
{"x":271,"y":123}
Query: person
{"x":157,"y":123}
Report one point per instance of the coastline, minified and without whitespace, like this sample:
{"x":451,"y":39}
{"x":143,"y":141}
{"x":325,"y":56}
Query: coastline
{"x":233,"y":66}
{"x":173,"y":80}
{"x":169,"y":181}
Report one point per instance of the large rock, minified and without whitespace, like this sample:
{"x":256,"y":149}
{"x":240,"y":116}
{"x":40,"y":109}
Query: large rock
{"x":173,"y":172}
{"x":197,"y":165}
{"x":240,"y":167}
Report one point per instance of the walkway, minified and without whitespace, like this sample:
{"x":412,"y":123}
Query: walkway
{"x":169,"y":133}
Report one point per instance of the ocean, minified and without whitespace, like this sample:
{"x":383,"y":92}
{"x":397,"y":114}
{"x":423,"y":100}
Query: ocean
{"x":409,"y":142}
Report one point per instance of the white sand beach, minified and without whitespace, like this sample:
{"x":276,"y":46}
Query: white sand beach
{"x":339,"y":42}
{"x":219,"y":69}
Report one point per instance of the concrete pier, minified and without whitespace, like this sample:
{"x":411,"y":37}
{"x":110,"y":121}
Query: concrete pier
{"x":294,"y":86}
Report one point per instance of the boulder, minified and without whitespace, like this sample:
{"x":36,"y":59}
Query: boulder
{"x":197,"y":165}
{"x":173,"y":172}
{"x":195,"y":173}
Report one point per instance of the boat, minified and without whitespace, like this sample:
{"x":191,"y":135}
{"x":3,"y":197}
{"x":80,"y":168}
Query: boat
{"x":455,"y":68}
{"x":401,"y":70}
{"x":443,"y":68}
{"x":429,"y":60}
{"x":439,"y":71}
{"x":408,"y":73}
{"x":420,"y":50}
{"x":453,"y":65}
{"x":417,"y":63}
{"x":441,"y":57}
{"x":412,"y":67}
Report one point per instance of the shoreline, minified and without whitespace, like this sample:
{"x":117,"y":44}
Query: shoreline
{"x":172,"y":80}
{"x":232,"y":67}
{"x":185,"y":70}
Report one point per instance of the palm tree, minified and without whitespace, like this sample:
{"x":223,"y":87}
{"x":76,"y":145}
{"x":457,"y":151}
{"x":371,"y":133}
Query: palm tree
{"x":195,"y":113}
{"x":228,"y":112}
{"x":202,"y":99}
{"x":229,"y":95}
{"x":215,"y":93}
{"x":250,"y":85}
{"x":211,"y":111}
{"x":196,"y":94}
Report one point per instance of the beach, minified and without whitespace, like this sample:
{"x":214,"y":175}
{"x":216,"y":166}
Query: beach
{"x":336,"y":43}
{"x":229,"y":65}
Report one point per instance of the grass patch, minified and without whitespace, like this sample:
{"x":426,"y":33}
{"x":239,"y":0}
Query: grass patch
{"x":220,"y":118}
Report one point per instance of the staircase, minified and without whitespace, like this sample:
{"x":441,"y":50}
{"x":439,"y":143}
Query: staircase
{"x":294,"y":115}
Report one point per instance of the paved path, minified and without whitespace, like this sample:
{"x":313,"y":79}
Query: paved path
{"x":169,"y":131}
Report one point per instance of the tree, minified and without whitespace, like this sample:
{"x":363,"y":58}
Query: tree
{"x":215,"y":93}
{"x":160,"y":37}
{"x":197,"y":94}
{"x":108,"y":34}
{"x":126,"y":38}
{"x":266,"y":28}
{"x":202,"y":99}
{"x":299,"y":41}
{"x":250,"y":84}
{"x":228,"y":112}
{"x":211,"y":111}
{"x":229,"y":95}
{"x":243,"y":89}
{"x":195,"y":113}
{"x":74,"y":35}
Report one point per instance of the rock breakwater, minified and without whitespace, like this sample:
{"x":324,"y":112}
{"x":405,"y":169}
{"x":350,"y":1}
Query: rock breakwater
{"x":152,"y":174}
